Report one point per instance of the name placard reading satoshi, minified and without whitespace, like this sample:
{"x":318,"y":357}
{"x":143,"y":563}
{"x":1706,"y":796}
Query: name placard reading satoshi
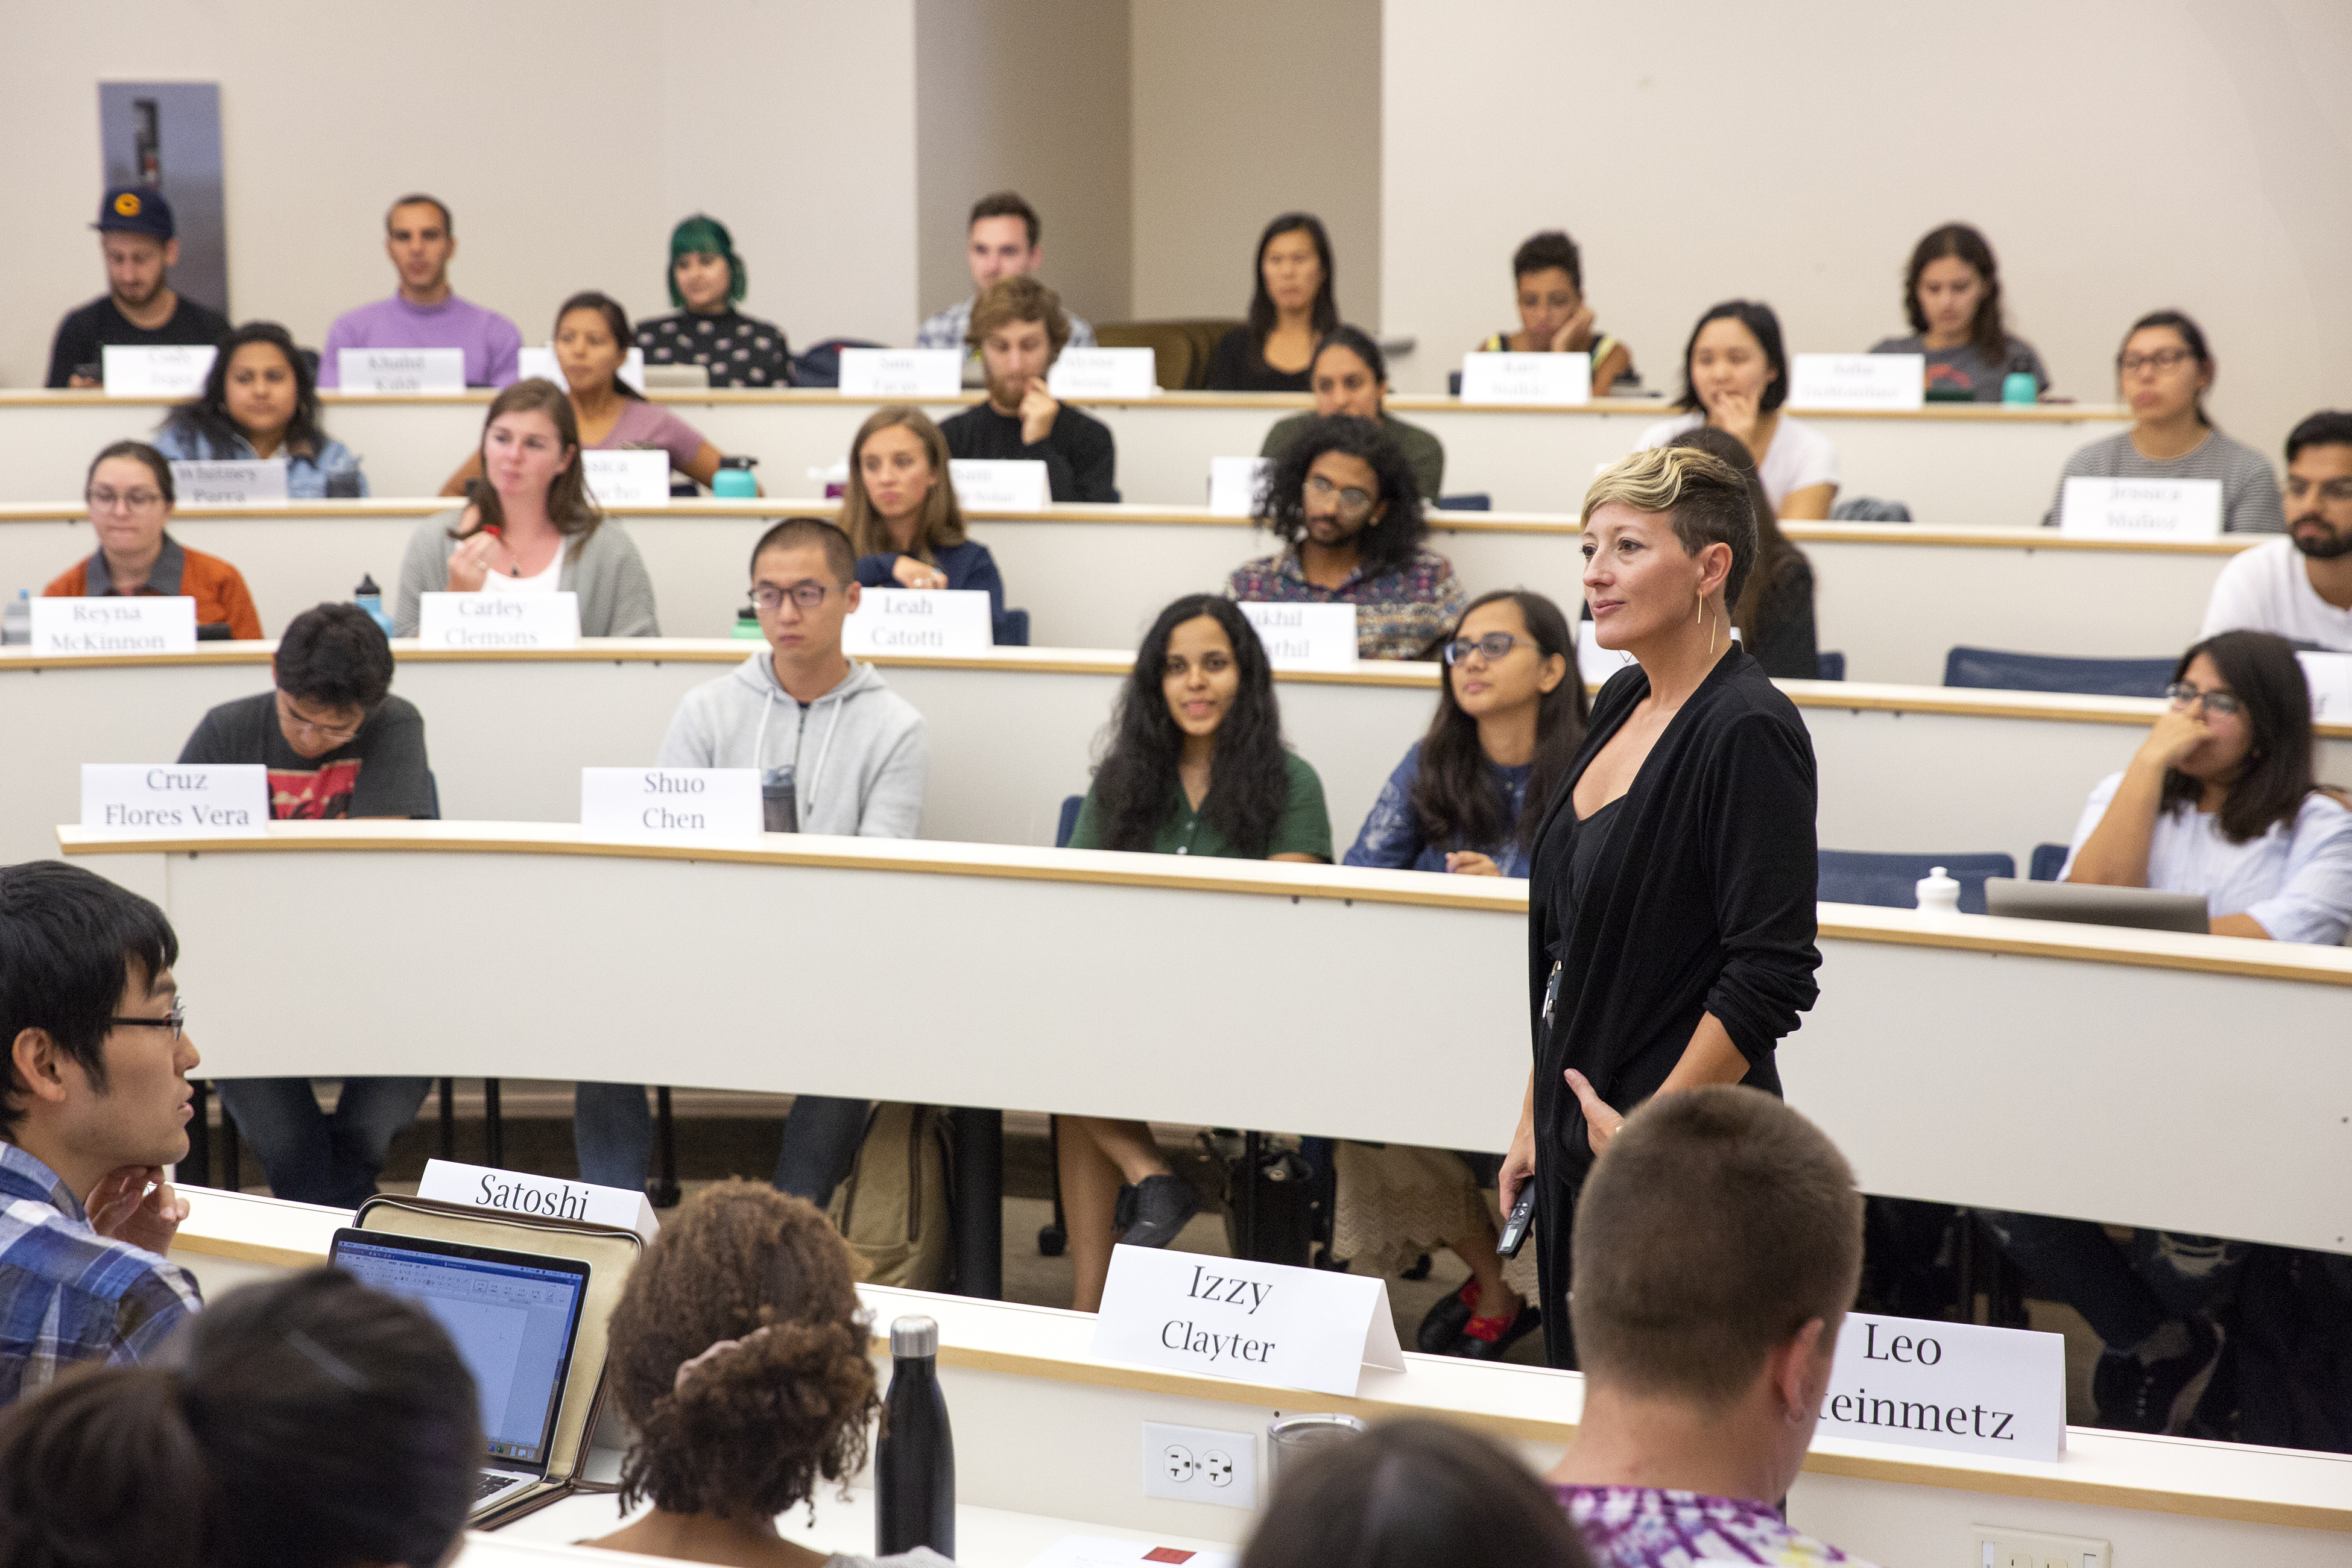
{"x":2169,"y":510}
{"x":1261,"y":1322}
{"x":2329,"y":675}
{"x":1233,"y":484}
{"x":541,"y":1197}
{"x":488,"y":620}
{"x":1304,"y":636}
{"x":627,"y":479}
{"x":951,"y":621}
{"x":1527,"y":378}
{"x":543,"y":363}
{"x":1104,"y":373}
{"x":670,"y":803}
{"x":1863,"y":382}
{"x":138,"y":624}
{"x":259,"y":481}
{"x":1000,"y":484}
{"x":901,"y":373}
{"x":163,"y":371}
{"x":175,"y":799}
{"x":400,"y":372}
{"x":1949,"y":1385}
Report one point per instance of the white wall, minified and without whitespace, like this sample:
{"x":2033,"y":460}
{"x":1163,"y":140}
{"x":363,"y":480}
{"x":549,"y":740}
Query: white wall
{"x":1243,"y":111}
{"x":1032,"y":96}
{"x":2121,"y":155}
{"x":568,"y":137}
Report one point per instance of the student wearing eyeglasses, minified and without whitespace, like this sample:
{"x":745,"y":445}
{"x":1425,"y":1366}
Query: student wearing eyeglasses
{"x":1343,"y":501}
{"x":839,"y":752}
{"x":130,"y":499}
{"x":2163,"y":370}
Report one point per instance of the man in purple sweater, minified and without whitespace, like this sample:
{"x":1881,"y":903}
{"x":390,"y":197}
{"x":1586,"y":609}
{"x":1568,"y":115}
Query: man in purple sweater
{"x":426,"y":313}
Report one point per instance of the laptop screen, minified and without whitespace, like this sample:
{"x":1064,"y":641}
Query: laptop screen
{"x":513,"y":1315}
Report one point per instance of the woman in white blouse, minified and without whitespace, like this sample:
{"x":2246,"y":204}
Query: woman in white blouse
{"x":1735,"y":378}
{"x":2219,"y":800}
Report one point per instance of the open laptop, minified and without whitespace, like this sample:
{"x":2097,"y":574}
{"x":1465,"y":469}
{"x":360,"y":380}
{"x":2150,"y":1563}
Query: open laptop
{"x":2085,"y":904}
{"x":515,"y":1316}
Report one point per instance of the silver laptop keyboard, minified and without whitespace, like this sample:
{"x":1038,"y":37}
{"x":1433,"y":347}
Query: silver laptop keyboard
{"x":493,"y":1482}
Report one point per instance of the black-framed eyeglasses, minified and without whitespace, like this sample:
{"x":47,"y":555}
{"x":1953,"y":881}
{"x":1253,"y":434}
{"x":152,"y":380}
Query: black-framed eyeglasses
{"x":341,"y":734}
{"x":808,"y":593}
{"x":1490,"y":648}
{"x":2156,"y":359}
{"x":175,"y":1020}
{"x":2183,"y":697}
{"x":1353,"y":502}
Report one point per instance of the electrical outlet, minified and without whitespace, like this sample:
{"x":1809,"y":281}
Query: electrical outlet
{"x":1201,"y":1464}
{"x":2001,"y":1548}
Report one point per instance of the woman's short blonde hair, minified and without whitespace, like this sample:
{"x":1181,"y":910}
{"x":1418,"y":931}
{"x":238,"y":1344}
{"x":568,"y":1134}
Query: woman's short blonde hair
{"x":1705,"y":498}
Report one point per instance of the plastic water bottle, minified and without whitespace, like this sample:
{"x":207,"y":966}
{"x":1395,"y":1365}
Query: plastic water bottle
{"x":1938,"y":894}
{"x":369,"y":597}
{"x":914,"y":1462}
{"x":17,"y":624}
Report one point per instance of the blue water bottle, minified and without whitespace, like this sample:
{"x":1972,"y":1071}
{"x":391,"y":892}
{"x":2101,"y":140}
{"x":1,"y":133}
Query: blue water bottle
{"x":369,"y":597}
{"x":734,"y":479}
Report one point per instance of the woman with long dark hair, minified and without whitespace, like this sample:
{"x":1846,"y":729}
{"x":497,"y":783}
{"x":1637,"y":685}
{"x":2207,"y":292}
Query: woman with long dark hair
{"x":1346,"y":506}
{"x":1735,"y":378}
{"x":261,"y":401}
{"x":1775,"y":611}
{"x":592,"y":343}
{"x":1291,"y":312}
{"x":529,"y":526}
{"x":2163,"y":370}
{"x":1951,"y":293}
{"x":1350,"y":375}
{"x":1196,"y":766}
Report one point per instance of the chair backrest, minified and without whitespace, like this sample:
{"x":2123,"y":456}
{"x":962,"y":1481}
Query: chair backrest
{"x":1069,"y":823}
{"x":1011,"y":629}
{"x":1890,"y":881}
{"x":820,"y":365}
{"x":1182,"y":348}
{"x":1833,"y":666}
{"x":2049,"y":859}
{"x":1477,"y":501}
{"x":1992,"y":668}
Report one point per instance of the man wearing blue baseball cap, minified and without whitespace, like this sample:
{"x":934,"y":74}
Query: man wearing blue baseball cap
{"x":140,"y":308}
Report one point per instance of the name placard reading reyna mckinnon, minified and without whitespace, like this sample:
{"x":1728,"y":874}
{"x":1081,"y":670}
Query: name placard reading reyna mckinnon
{"x":137,"y":624}
{"x":1260,"y":1322}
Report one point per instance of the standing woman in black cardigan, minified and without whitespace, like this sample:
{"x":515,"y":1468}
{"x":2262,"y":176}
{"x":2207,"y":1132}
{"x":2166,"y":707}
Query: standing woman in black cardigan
{"x":1671,"y":904}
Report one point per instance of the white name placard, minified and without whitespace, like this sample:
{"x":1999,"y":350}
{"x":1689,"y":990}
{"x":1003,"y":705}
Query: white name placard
{"x":1527,"y":378}
{"x":175,"y":798}
{"x":918,"y":620}
{"x":1857,"y":381}
{"x":134,"y":624}
{"x":401,"y":371}
{"x":260,"y":482}
{"x":2141,"y":509}
{"x":541,"y":363}
{"x":1104,"y":373}
{"x":1594,"y":663}
{"x":1304,"y":636}
{"x":1003,"y":484}
{"x":626,"y":477}
{"x":542,"y":1197}
{"x":497,"y":620}
{"x":164,"y":371}
{"x":2329,"y":675}
{"x":1263,"y":1322}
{"x":1233,"y":484}
{"x":1949,"y":1385}
{"x":670,"y":803}
{"x":901,"y":373}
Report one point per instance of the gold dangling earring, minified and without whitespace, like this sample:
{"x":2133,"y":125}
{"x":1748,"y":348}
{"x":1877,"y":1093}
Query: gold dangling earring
{"x":1710,"y":633}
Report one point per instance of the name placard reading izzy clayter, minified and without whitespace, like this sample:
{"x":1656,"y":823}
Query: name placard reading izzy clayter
{"x":670,"y":803}
{"x":2141,"y":509}
{"x":1261,"y":1322}
{"x":918,"y":620}
{"x":901,"y":373}
{"x":175,"y":798}
{"x":259,"y":481}
{"x":497,"y":620}
{"x":134,"y":625}
{"x":1304,"y":636}
{"x":1527,"y":378}
{"x":512,"y":1192}
{"x":1949,"y":1385}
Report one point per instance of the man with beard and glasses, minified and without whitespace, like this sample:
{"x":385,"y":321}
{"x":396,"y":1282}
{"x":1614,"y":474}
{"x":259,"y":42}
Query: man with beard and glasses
{"x":1020,"y":329}
{"x":140,"y":309}
{"x":2300,"y":587}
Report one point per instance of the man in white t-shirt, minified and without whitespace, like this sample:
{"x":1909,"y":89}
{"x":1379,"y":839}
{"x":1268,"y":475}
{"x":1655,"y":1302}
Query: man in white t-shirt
{"x":2300,"y":587}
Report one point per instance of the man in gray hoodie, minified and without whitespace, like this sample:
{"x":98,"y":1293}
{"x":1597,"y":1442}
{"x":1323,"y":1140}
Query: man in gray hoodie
{"x":839,"y":752}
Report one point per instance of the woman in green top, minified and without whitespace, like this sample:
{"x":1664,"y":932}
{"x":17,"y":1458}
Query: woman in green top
{"x":1196,"y":766}
{"x":1350,"y":376}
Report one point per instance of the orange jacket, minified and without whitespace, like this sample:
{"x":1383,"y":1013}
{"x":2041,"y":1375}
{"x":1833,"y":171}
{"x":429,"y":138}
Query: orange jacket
{"x":221,"y":595}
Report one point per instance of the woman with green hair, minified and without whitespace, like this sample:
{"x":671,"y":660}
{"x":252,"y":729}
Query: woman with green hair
{"x":707,"y":282}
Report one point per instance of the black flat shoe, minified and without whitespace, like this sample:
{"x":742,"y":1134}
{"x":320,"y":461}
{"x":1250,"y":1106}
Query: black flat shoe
{"x":1447,"y":1321}
{"x":1152,"y":1212}
{"x":1470,"y":1347}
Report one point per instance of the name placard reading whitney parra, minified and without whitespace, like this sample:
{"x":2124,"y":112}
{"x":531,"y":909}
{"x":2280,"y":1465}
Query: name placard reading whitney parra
{"x":1258,"y":1322}
{"x":544,"y":1197}
{"x":1949,"y":1385}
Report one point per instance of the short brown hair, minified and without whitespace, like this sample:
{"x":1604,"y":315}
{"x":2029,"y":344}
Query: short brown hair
{"x":1020,"y":298}
{"x":747,"y":1434}
{"x":419,"y":199}
{"x":942,"y":523}
{"x":1715,"y":1225}
{"x":1007,"y":204}
{"x":1704,"y":497}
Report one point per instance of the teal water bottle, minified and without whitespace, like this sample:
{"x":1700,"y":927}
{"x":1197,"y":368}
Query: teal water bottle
{"x":733,"y":480}
{"x":369,"y":597}
{"x":2020,"y":386}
